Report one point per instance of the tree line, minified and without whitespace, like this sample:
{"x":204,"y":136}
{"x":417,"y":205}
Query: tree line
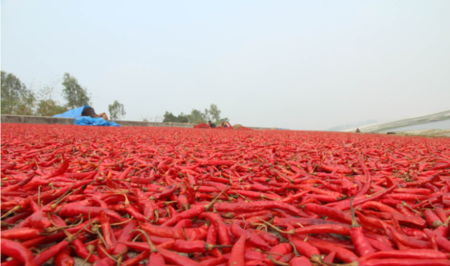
{"x":196,"y":116}
{"x":17,"y":99}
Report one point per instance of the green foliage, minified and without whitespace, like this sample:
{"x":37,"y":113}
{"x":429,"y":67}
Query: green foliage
{"x":116,"y":111}
{"x":46,"y":106}
{"x":181,"y":118}
{"x":16,"y":98}
{"x":197,"y":116}
{"x":214,"y":113}
{"x":49,"y":108}
{"x":169,"y":117}
{"x":75,"y":95}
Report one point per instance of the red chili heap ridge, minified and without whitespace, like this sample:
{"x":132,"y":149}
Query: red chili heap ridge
{"x":221,"y":197}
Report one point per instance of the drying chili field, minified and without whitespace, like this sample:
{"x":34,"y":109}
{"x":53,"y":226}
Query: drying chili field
{"x":165,"y":196}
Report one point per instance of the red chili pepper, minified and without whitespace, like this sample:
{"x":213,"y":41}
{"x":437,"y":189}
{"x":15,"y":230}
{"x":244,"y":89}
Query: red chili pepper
{"x":21,"y":233}
{"x":64,"y":258}
{"x":154,"y":176}
{"x":189,"y":214}
{"x":404,"y":262}
{"x":329,"y":258}
{"x":237,"y":252}
{"x":22,"y":183}
{"x":60,"y":171}
{"x":222,"y":230}
{"x":300,"y":261}
{"x":176,"y":233}
{"x":68,"y":211}
{"x":17,"y":251}
{"x":252,"y":238}
{"x":362,"y":245}
{"x":407,"y":241}
{"x":279,"y":250}
{"x":329,"y":212}
{"x":51,"y":252}
{"x":432,"y":219}
{"x":185,"y":223}
{"x":213,"y":261}
{"x":81,"y":250}
{"x":258,"y":206}
{"x":407,"y":254}
{"x":307,"y":250}
{"x":135,"y":260}
{"x":175,"y":258}
{"x":341,"y":253}
{"x":110,"y":240}
{"x":156,"y":259}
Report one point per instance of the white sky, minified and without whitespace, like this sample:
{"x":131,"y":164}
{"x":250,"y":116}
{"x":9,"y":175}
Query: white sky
{"x":294,"y":64}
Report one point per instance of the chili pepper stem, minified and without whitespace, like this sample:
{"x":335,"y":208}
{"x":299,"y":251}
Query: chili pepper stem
{"x":207,"y":207}
{"x":150,"y":243}
{"x":90,"y":248}
{"x":39,"y":196}
{"x":354,"y":222}
{"x":447,"y":221}
{"x":277,"y":262}
{"x":410,"y":208}
{"x":16,"y":208}
{"x":300,"y":224}
{"x":107,"y":254}
{"x":294,"y":249}
{"x":124,"y":222}
{"x":271,"y":253}
{"x":67,"y":193}
{"x":276,"y":229}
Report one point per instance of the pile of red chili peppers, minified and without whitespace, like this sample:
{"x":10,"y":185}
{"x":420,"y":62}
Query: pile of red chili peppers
{"x":168,"y":196}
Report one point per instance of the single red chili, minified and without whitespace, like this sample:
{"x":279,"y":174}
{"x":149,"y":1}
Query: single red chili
{"x":252,"y":238}
{"x":300,"y":261}
{"x":17,"y":251}
{"x":64,"y":259}
{"x":341,"y":253}
{"x":237,"y":252}
{"x":362,"y":245}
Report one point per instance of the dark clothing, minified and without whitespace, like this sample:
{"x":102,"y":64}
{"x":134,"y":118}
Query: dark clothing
{"x":88,"y":112}
{"x":212,"y":125}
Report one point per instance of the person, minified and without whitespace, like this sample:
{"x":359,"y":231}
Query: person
{"x":89,"y":111}
{"x":211,"y":124}
{"x":226,"y":124}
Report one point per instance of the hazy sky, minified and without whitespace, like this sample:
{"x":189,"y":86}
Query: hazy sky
{"x":293,"y":64}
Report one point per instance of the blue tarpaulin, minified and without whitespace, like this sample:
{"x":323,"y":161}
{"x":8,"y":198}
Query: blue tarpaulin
{"x":86,"y":120}
{"x":97,"y":121}
{"x":74,"y":113}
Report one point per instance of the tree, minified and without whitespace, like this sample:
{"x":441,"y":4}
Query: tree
{"x":116,"y":111}
{"x":75,"y":95}
{"x":49,"y":108}
{"x":181,"y":118}
{"x":196,"y":117}
{"x":169,"y":117}
{"x":46,"y":105}
{"x":206,"y":115}
{"x":16,"y":98}
{"x":214,"y":113}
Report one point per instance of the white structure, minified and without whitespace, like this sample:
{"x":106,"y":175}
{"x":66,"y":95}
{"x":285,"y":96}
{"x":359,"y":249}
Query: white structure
{"x":416,"y":120}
